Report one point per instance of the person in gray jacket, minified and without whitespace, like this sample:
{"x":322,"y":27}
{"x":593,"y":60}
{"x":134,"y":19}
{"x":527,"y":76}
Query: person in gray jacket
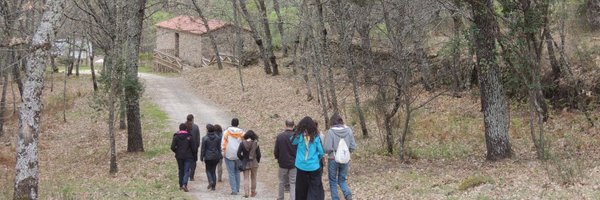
{"x":338,"y":172}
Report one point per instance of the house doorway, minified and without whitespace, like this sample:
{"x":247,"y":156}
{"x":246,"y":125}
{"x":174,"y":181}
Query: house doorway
{"x":176,"y":44}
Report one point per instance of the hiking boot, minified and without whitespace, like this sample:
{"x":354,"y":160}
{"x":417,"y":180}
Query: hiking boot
{"x":184,"y":188}
{"x":209,"y":186}
{"x":191,"y":179}
{"x":253,"y":194}
{"x":234,"y":193}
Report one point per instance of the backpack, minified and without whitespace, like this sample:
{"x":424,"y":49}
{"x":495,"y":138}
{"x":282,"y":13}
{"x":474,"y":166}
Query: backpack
{"x":342,"y":154}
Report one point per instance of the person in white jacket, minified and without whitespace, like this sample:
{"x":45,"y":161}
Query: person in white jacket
{"x":232,"y":137}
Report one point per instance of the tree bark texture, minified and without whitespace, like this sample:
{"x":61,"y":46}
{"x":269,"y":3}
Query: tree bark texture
{"x":3,"y":101}
{"x":133,"y":88}
{"x":26,"y":177}
{"x":256,"y":37}
{"x":239,"y":42}
{"x":284,"y":46}
{"x":268,"y":38}
{"x":492,"y":95}
{"x":324,"y":55}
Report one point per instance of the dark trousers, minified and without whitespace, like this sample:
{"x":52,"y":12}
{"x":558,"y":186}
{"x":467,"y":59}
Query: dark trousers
{"x":211,"y":170}
{"x":192,"y":169}
{"x":309,"y":185}
{"x":184,"y":170}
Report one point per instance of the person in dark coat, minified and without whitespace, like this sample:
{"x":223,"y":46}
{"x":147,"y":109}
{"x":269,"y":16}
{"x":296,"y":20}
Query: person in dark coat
{"x":249,"y":155}
{"x":210,"y":154}
{"x":219,"y":131}
{"x":185,"y":150}
{"x":194,"y":130}
{"x":285,"y":153}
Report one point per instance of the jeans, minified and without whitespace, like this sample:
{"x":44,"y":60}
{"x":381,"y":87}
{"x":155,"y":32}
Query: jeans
{"x":211,"y":166}
{"x":234,"y":175}
{"x":220,"y":170}
{"x":309,"y":185}
{"x":184,"y":170}
{"x":337,"y":176}
{"x":287,"y":176}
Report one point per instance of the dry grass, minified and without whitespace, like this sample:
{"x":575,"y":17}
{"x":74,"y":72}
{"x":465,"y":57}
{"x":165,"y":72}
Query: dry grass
{"x":74,"y":159}
{"x":447,"y":142}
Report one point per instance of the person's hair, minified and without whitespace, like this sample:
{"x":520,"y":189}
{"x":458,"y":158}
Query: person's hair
{"x":189,"y":122}
{"x":182,"y":127}
{"x":336,"y":119}
{"x":289,"y":123}
{"x":235,"y":122}
{"x":307,"y":126}
{"x":250,"y":134}
{"x":218,"y":128}
{"x":210,"y":128}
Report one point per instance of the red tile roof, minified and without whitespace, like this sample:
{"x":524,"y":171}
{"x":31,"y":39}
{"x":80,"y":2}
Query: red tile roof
{"x":192,"y":25}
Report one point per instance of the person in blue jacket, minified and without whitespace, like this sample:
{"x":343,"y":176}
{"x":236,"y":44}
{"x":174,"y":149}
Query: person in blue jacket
{"x":309,"y":153}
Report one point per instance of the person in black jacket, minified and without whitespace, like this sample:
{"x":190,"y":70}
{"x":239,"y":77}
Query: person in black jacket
{"x":210,"y":154}
{"x":285,"y":153}
{"x":185,"y":152}
{"x":193,"y":129}
{"x":219,"y":132}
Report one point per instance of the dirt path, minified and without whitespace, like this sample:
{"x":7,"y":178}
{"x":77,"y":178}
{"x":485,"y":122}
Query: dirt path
{"x":173,"y":96}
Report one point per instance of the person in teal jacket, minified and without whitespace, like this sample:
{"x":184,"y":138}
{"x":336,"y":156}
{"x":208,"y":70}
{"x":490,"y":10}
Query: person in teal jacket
{"x":309,"y":153}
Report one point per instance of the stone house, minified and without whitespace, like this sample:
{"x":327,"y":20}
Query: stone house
{"x":186,"y":38}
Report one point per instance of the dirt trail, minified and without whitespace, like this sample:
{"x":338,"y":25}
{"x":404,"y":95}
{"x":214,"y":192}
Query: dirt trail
{"x":173,"y":96}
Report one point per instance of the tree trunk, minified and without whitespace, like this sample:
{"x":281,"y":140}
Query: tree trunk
{"x":320,"y":87}
{"x":284,"y":46}
{"x":54,"y":70}
{"x":78,"y":60}
{"x":456,"y":51}
{"x":122,"y":111}
{"x":346,"y":33}
{"x":133,"y":88}
{"x":492,"y":95}
{"x":65,"y":97}
{"x":239,"y":42}
{"x":16,"y":71}
{"x":213,"y":42}
{"x":94,"y":82}
{"x":554,"y":64}
{"x":256,"y":37}
{"x":365,"y":44}
{"x":26,"y":177}
{"x":3,"y":102}
{"x":406,"y":131}
{"x":268,"y":37}
{"x":323,"y":55}
{"x":389,"y":137}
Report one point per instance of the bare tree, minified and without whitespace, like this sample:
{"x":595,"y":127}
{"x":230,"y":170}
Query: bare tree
{"x":26,"y":176}
{"x":284,"y":46}
{"x":256,"y":37}
{"x":213,"y":42}
{"x":268,"y":38}
{"x":238,"y":40}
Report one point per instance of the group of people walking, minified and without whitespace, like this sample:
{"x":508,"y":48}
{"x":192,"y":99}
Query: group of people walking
{"x":302,"y":153}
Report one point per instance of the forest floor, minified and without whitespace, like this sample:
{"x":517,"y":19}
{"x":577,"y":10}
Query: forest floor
{"x":74,"y":155}
{"x":447,"y":146}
